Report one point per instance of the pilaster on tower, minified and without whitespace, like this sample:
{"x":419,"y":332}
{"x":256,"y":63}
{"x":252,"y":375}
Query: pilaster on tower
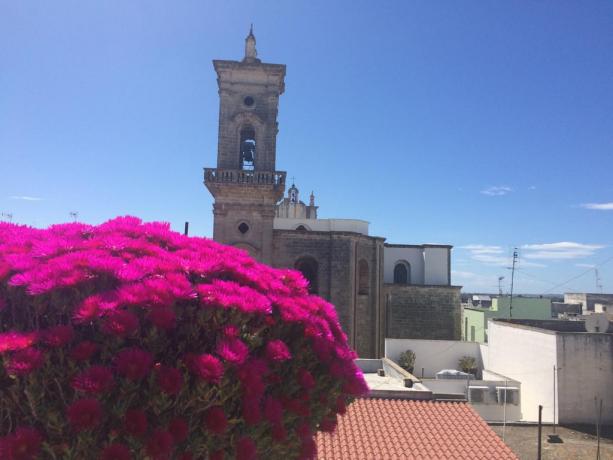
{"x":245,"y":183}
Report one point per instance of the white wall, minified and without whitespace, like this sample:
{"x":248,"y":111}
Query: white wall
{"x":433,"y":355}
{"x":413,"y":255}
{"x":585,"y":373}
{"x":436,"y":267}
{"x":526,"y":355}
{"x":323,"y":225}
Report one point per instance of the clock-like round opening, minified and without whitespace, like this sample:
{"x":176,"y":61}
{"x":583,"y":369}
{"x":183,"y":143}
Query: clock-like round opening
{"x":248,"y":101}
{"x":243,"y":228}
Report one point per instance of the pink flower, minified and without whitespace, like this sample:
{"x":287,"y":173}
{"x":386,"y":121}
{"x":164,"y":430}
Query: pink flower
{"x":233,"y":350}
{"x":84,"y":414}
{"x":23,"y":444}
{"x":12,"y":341}
{"x":179,"y":429}
{"x":135,"y":422}
{"x":251,"y":411}
{"x":246,"y":449}
{"x":328,"y":424}
{"x":277,"y":351}
{"x":2,"y":301}
{"x":273,"y":410}
{"x":58,"y":336}
{"x":96,"y":379}
{"x":230,"y":330}
{"x":308,"y":449}
{"x":25,"y":361}
{"x":116,"y":451}
{"x":341,"y":406}
{"x":120,"y":323}
{"x":279,"y":433}
{"x":304,"y":431}
{"x":163,"y":318}
{"x":133,"y":363}
{"x":83,"y":351}
{"x":207,"y":367}
{"x":305,"y":379}
{"x":215,"y":420}
{"x":159,"y":445}
{"x":217,"y":455}
{"x":169,"y":379}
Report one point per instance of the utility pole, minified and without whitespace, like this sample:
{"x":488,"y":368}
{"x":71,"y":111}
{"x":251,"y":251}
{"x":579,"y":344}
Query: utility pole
{"x":512,"y":280}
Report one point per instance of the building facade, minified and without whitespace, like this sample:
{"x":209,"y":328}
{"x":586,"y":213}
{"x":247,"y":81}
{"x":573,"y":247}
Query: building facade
{"x":378,"y":289}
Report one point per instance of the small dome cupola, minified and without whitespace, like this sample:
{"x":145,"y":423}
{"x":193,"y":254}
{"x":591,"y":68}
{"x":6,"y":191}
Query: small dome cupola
{"x":251,"y":54}
{"x":292,"y":194}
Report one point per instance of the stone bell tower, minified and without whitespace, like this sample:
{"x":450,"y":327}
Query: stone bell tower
{"x":244,"y":184}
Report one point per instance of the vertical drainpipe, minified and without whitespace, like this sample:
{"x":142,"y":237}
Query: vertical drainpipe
{"x":376,"y":300}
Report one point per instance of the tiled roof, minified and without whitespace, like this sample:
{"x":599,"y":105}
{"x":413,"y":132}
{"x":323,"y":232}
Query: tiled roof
{"x":408,"y":429}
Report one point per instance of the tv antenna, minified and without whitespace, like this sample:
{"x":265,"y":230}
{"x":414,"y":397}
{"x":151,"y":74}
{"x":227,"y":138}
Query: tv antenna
{"x":512,"y":279}
{"x":500,"y":278}
{"x":8,"y":216}
{"x":74,"y":215}
{"x":598,"y":280}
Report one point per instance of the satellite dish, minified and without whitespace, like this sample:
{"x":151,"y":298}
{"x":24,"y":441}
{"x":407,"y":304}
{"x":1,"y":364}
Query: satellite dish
{"x":597,"y":322}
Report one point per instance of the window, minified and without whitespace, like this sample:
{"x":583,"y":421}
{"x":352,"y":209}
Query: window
{"x":507,"y":395}
{"x":243,"y":228}
{"x":363,"y":278}
{"x":247,"y":148}
{"x":402,"y":273}
{"x":301,"y":228}
{"x":309,"y":268}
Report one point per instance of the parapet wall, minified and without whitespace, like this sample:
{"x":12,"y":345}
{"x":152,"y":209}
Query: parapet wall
{"x":423,"y":312}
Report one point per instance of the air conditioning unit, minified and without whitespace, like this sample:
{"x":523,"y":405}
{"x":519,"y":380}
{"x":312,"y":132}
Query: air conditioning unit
{"x":507,"y":395}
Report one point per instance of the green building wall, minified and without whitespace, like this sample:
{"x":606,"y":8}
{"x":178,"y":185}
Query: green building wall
{"x":474,"y":320}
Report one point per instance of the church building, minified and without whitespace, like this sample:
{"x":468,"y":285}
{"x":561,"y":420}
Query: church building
{"x":380,"y":290}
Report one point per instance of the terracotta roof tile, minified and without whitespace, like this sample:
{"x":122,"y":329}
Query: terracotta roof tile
{"x":406,"y":429}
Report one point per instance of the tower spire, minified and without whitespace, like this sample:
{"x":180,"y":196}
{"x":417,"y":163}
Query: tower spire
{"x":251,"y":54}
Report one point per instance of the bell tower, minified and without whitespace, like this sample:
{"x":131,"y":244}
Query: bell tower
{"x":244,"y":184}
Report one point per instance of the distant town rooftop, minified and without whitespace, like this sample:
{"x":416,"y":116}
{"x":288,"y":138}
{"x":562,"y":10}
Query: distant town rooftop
{"x":551,"y":325}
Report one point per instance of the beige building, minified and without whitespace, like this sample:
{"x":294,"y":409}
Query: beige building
{"x":380,"y":290}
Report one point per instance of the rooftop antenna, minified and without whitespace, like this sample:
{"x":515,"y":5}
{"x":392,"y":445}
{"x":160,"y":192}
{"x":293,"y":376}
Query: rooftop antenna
{"x":512,"y":279}
{"x":500,"y":278}
{"x":8,"y":216}
{"x":74,"y":215}
{"x":598,"y":280}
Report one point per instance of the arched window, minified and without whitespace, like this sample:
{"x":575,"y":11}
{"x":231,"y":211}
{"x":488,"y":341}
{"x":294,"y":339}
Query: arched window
{"x":247,"y":148}
{"x":402,"y":273}
{"x":363,"y":276}
{"x":308,"y":267}
{"x":301,"y":228}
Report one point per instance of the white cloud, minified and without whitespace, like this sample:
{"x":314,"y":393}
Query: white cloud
{"x":563,"y":250}
{"x":532,"y":187}
{"x":25,"y":198}
{"x":585,"y":265}
{"x":599,"y":206}
{"x":495,"y":255}
{"x":490,"y":255}
{"x":497,"y":190}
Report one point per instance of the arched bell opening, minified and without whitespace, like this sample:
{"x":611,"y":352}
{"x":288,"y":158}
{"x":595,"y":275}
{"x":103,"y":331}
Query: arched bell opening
{"x":247,"y":148}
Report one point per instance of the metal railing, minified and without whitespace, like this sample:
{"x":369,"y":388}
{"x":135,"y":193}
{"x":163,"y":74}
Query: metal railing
{"x":241,"y":176}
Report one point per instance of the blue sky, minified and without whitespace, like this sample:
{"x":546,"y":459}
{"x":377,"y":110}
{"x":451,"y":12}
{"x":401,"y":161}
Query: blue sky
{"x":486,"y":125}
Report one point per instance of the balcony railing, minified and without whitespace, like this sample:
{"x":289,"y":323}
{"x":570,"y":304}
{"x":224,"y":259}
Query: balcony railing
{"x":240,"y":176}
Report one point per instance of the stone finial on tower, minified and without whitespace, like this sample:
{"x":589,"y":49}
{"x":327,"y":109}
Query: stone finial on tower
{"x":251,"y":54}
{"x":312,"y":200}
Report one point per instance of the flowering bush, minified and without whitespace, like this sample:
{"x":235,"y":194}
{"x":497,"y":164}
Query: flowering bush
{"x":126,"y":340}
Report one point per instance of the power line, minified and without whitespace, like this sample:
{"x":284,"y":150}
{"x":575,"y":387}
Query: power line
{"x":579,"y":275}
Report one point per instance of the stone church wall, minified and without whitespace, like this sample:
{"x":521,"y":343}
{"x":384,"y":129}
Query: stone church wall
{"x":337,"y":255}
{"x":423,"y":312}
